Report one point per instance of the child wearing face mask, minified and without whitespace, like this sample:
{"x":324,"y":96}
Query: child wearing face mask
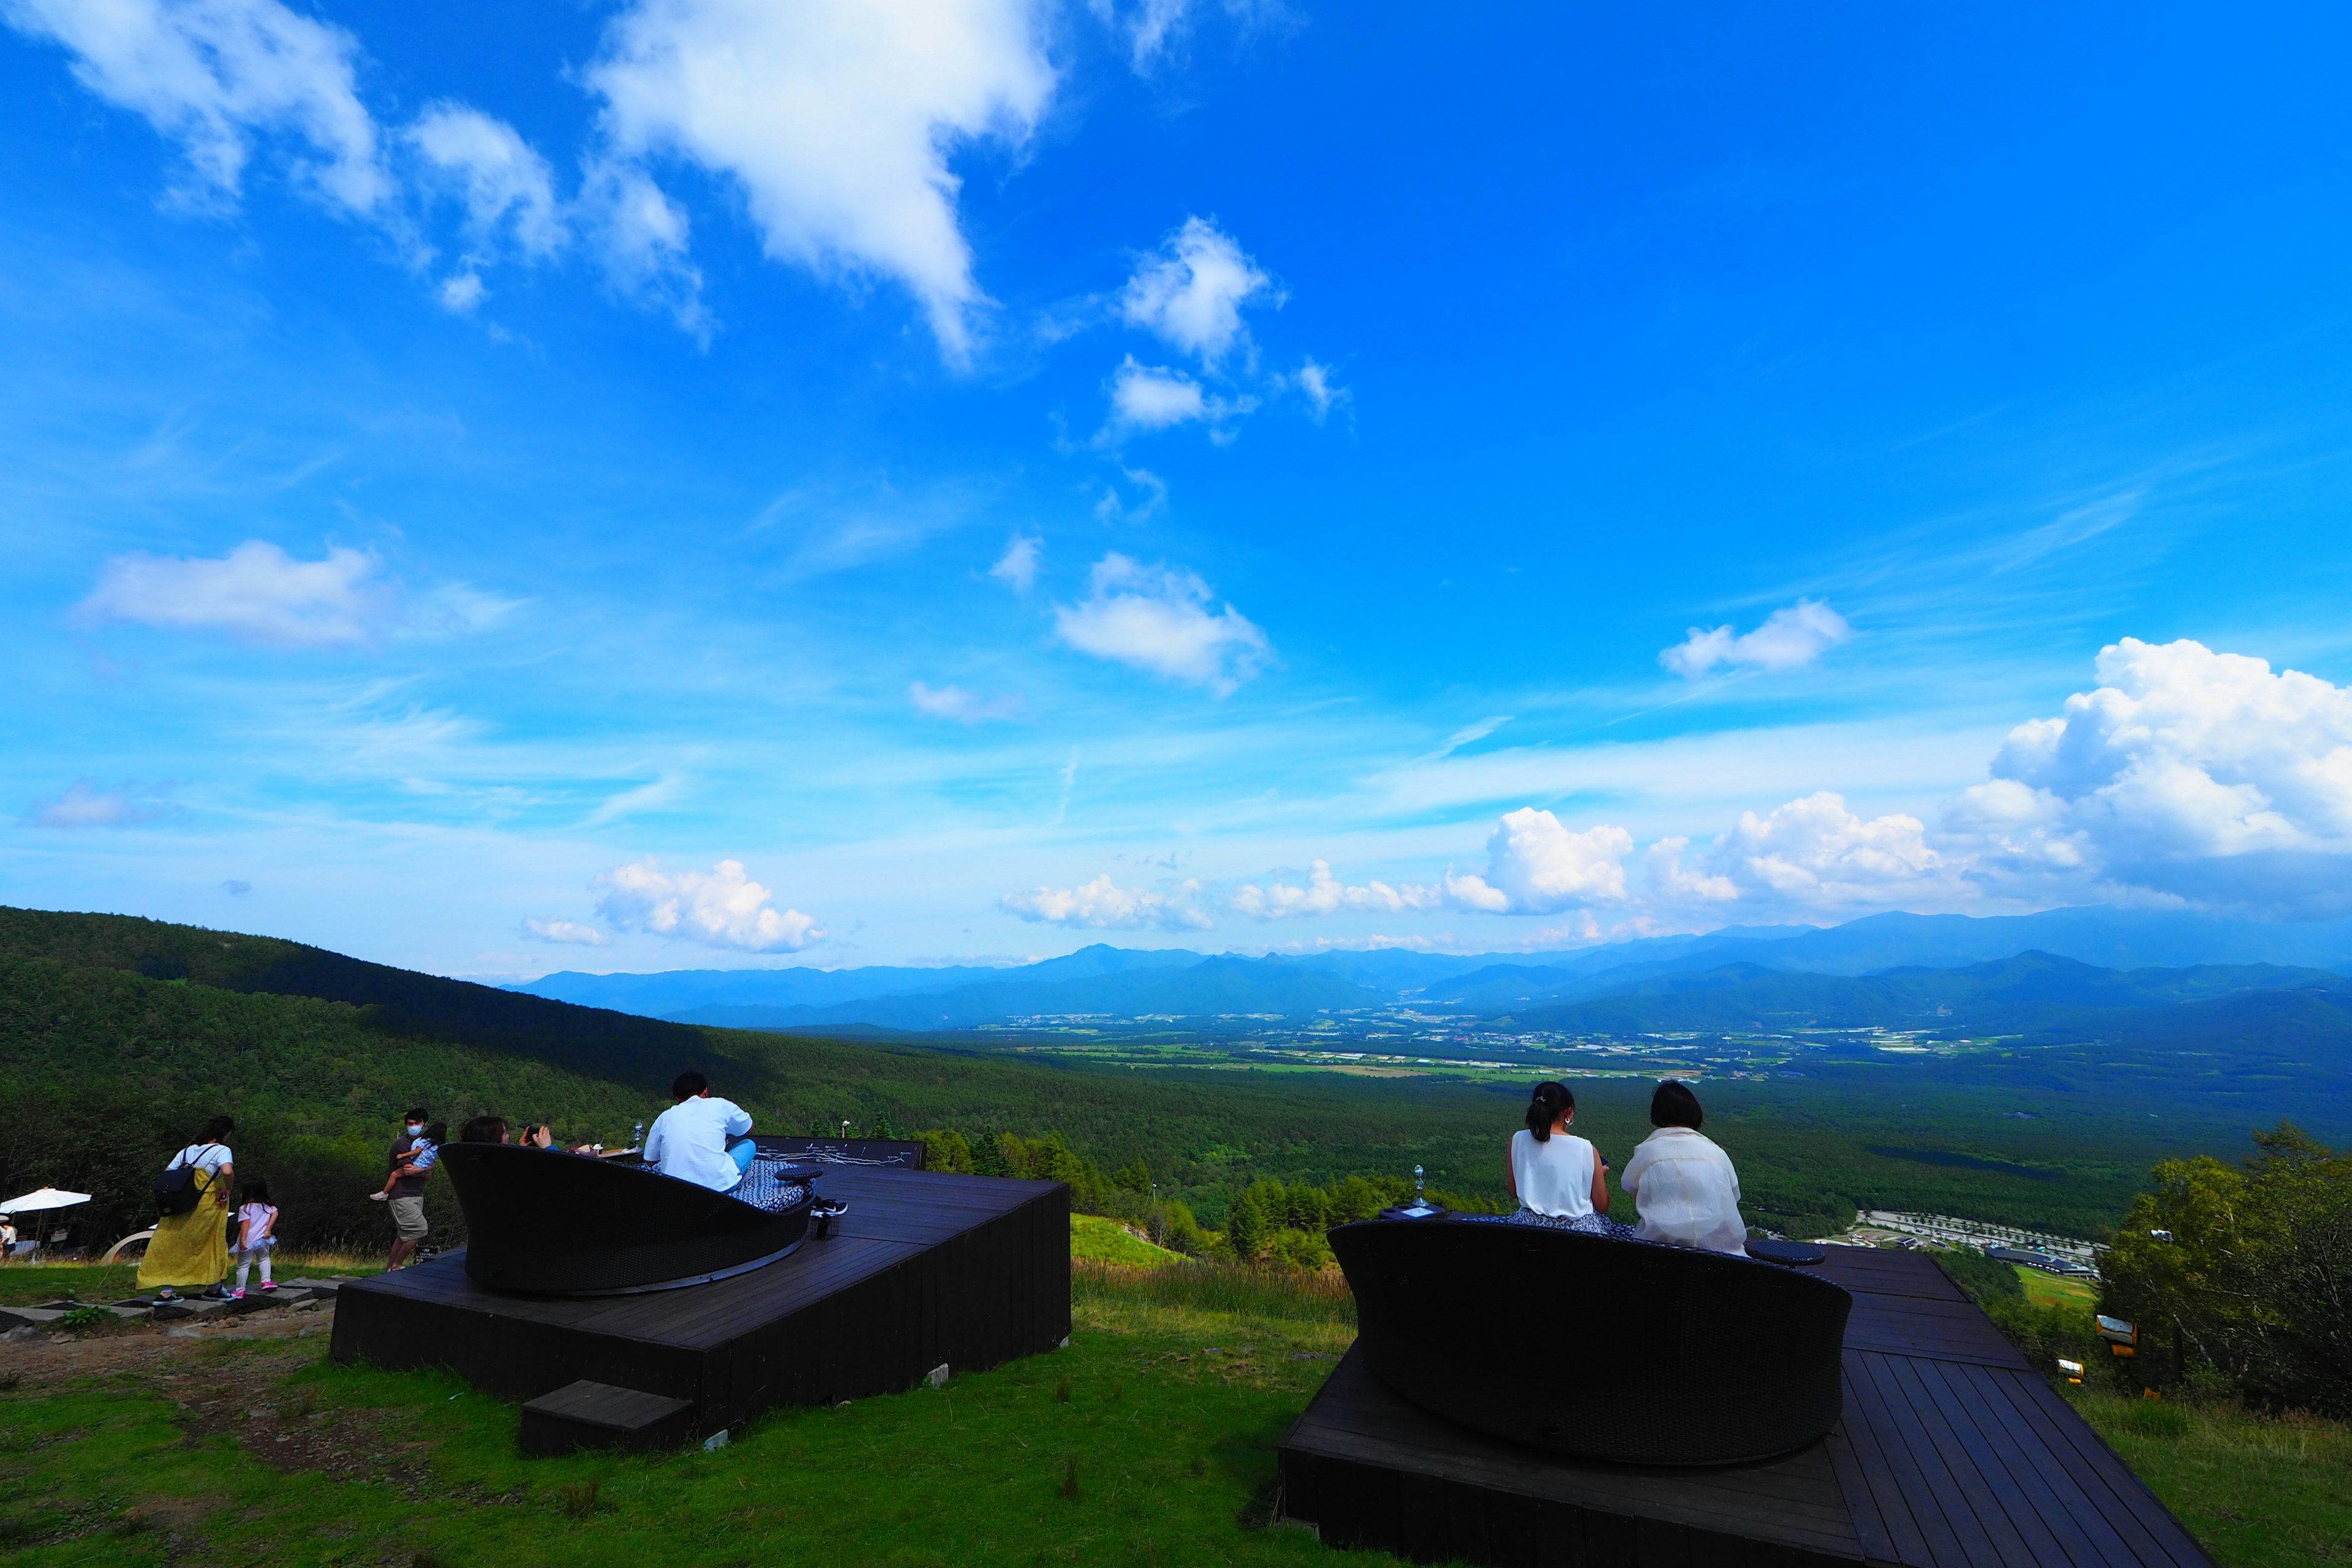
{"x":404,"y":1188}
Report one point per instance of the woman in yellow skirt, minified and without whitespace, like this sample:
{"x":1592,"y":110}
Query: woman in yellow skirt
{"x":191,"y":1248}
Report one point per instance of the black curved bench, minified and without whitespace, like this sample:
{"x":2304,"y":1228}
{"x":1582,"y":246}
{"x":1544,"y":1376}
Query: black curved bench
{"x":1605,"y":1349}
{"x":540,"y":1223}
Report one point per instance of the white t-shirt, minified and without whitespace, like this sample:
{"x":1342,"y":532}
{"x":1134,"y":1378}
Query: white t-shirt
{"x":1686,"y":1191}
{"x":688,"y":1140}
{"x":1555,"y":1176}
{"x":253,"y":1223}
{"x":205,"y":1157}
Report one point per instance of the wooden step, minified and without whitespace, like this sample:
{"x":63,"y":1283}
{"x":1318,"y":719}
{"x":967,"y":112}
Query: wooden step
{"x":589,"y":1415}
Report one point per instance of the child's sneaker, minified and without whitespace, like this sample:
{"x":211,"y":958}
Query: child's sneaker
{"x":238,"y":1295}
{"x":378,"y":1197}
{"x":269,"y":1284}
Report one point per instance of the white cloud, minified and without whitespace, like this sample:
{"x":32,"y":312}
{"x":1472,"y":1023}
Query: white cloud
{"x":1814,"y":853}
{"x":1535,"y":865}
{"x":1113,"y":506}
{"x":215,"y":75}
{"x":461,"y":292}
{"x":2186,"y":773}
{"x":644,"y":797}
{"x":85,"y":803}
{"x":1101,"y":905}
{"x":256,"y":592}
{"x":1322,"y":394}
{"x":1153,"y":398}
{"x":1189,"y":292}
{"x":1017,"y":567}
{"x":1160,"y":620}
{"x":1791,"y":636}
{"x":1323,"y":893}
{"x":963,"y":707}
{"x":718,"y":907}
{"x":1152,"y":28}
{"x":569,"y":933}
{"x":645,"y":240}
{"x":836,"y":118}
{"x":504,"y":184}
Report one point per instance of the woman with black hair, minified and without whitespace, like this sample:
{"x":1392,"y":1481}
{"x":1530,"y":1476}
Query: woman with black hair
{"x":1558,"y":1178}
{"x":1684,"y":1185}
{"x":191,"y":1247}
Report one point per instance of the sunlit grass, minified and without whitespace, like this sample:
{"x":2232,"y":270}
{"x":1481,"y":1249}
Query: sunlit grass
{"x":2260,"y":1491}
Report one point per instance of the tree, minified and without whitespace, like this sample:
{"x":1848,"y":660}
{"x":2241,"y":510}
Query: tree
{"x":1249,"y":1227}
{"x":2247,"y":1269}
{"x":1134,"y":1178}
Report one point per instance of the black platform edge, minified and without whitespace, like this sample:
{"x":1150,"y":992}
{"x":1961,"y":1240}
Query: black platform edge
{"x":927,"y":1269}
{"x":585,"y":1414}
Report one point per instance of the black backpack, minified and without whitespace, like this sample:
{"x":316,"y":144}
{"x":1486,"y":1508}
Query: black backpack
{"x":175,"y":1190}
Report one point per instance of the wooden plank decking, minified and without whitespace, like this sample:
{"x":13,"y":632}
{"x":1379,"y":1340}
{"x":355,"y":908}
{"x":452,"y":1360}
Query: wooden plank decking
{"x":1952,"y":1453}
{"x":926,"y":1268}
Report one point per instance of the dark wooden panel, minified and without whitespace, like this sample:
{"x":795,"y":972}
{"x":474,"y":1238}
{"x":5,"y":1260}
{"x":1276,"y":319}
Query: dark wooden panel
{"x":970,"y":1271}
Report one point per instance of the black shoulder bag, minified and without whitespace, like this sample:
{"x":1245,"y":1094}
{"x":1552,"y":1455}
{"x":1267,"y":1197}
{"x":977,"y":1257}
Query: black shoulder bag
{"x":176,"y":1191}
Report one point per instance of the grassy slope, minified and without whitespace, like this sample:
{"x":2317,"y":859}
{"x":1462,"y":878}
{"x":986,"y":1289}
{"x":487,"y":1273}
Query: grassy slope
{"x":1172,"y":1445}
{"x":1094,"y":1239}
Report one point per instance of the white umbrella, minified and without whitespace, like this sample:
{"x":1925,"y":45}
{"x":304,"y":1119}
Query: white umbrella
{"x":46,"y":1198}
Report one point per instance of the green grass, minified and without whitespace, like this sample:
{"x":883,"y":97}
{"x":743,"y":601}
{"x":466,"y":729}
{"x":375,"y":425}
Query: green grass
{"x":1165,"y":1417}
{"x":2258,"y":1491}
{"x":2051,"y":1290}
{"x":1096,"y":1240}
{"x":1166,"y":1406}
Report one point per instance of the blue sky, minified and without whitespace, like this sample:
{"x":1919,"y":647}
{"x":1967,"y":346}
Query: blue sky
{"x":669,"y":484}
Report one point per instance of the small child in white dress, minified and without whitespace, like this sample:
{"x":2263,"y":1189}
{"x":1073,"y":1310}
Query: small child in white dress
{"x":257,"y":1221}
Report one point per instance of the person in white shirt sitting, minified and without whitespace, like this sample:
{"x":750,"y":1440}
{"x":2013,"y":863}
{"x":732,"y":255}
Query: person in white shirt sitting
{"x":688,"y":1140}
{"x":1558,"y":1179}
{"x":1684,"y":1185}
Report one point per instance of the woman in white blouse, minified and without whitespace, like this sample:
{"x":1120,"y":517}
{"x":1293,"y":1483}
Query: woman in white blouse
{"x":1685,"y":1185}
{"x":1557,"y":1176}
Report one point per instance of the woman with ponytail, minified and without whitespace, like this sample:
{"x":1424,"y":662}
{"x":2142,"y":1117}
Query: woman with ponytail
{"x":1558,"y":1177}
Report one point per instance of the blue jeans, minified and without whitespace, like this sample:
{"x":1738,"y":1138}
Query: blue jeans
{"x":743,"y":1153}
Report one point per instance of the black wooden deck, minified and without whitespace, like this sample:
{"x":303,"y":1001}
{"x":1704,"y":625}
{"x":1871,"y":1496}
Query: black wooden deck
{"x":1952,"y":1453}
{"x":924,"y":1269}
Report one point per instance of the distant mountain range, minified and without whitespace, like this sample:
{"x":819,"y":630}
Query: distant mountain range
{"x":2083,"y":968}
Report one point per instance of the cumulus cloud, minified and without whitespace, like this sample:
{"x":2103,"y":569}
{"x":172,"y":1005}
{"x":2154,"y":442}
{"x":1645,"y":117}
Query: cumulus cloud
{"x":718,"y":907}
{"x":257,"y":592}
{"x":963,"y":707}
{"x":1791,"y":636}
{"x":1102,"y":905}
{"x":2186,"y":773}
{"x":1536,"y":865}
{"x":568,"y":933}
{"x":1189,"y":292}
{"x":87,"y":804}
{"x":1323,"y":893}
{"x":1160,"y":619}
{"x":835,"y":119}
{"x":1815,"y":853}
{"x":1017,"y":567}
{"x":214,"y":76}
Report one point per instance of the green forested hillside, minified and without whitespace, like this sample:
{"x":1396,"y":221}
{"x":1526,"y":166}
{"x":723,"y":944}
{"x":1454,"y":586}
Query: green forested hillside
{"x":116,"y":1036}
